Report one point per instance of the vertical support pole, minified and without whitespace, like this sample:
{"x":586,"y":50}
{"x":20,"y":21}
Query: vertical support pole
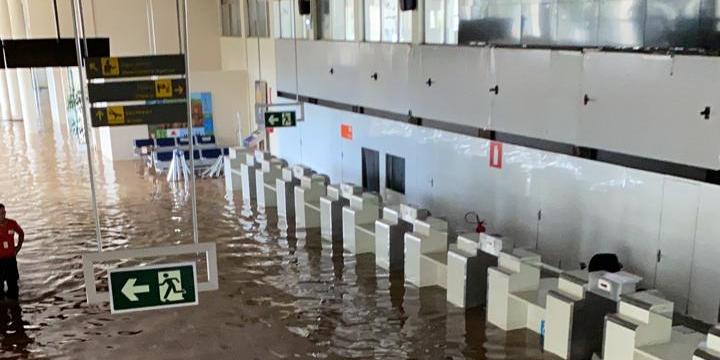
{"x":186,"y":49}
{"x":179,"y":26}
{"x":151,"y":26}
{"x":57,"y":19}
{"x":77,"y":26}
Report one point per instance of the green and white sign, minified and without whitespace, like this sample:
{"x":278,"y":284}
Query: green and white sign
{"x":275,"y":119}
{"x":152,"y":287}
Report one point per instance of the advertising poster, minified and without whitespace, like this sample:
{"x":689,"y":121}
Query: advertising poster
{"x":202,"y":118}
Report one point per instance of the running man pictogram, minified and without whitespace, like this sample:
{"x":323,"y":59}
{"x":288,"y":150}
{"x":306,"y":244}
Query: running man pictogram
{"x":170,"y":286}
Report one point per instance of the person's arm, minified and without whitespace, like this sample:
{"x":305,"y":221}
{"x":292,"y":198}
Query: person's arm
{"x":21,"y":237}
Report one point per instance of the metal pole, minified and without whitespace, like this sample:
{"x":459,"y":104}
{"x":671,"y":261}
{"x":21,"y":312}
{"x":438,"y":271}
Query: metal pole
{"x":179,"y":26}
{"x":80,"y":59}
{"x":82,"y":32}
{"x":57,"y":20}
{"x":151,"y":25}
{"x":190,"y":120}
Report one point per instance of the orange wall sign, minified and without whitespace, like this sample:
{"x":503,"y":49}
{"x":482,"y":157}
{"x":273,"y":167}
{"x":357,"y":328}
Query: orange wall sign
{"x":346,"y":131}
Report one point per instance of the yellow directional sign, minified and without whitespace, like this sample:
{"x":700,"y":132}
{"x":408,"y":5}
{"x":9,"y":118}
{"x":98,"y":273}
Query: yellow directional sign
{"x":163,"y":88}
{"x":135,"y":66}
{"x":110,"y":66}
{"x":164,"y":113}
{"x":116,"y":115}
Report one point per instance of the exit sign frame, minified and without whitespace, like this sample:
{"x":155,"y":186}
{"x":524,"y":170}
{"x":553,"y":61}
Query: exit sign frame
{"x":292,"y":118}
{"x":156,"y":269}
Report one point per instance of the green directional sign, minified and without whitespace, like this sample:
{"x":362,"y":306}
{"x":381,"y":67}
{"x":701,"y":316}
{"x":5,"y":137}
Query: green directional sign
{"x":152,"y":287}
{"x":275,"y":119}
{"x":162,"y":89}
{"x":135,"y":66}
{"x":120,"y":115}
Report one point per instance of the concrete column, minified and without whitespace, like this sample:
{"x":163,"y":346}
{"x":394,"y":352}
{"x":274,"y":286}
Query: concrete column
{"x":4,"y":99}
{"x":5,"y":113}
{"x":57,"y":88}
{"x":28,"y":103}
{"x":13,"y":93}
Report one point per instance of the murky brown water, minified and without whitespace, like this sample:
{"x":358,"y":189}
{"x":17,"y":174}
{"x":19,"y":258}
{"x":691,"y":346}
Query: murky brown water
{"x":281,"y":296}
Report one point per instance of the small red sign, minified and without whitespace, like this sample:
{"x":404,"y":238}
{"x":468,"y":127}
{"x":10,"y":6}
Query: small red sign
{"x":496,"y":155}
{"x":346,"y":131}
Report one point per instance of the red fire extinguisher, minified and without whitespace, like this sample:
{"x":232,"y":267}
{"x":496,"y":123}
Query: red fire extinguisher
{"x":473,"y":218}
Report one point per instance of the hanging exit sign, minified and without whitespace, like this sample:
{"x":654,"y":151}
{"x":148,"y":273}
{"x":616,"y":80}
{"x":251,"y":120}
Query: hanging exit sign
{"x":152,"y":287}
{"x":275,"y":119}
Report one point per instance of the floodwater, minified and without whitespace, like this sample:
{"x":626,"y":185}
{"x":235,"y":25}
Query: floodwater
{"x":282,"y":296}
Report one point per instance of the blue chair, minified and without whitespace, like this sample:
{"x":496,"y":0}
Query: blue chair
{"x":196,"y":154}
{"x":164,"y":156}
{"x":140,"y":143}
{"x":226,"y":151}
{"x":205,"y":140}
{"x":211,"y":153}
{"x":165,"y":142}
{"x":183,"y":141}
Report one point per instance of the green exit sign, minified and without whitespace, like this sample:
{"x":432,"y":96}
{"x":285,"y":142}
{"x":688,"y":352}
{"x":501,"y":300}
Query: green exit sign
{"x":275,"y":119}
{"x":152,"y":287}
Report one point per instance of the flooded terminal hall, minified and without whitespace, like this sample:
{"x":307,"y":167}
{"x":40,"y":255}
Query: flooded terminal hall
{"x":359,"y":179}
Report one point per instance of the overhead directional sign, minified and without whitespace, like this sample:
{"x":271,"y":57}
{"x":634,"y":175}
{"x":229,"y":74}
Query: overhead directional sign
{"x":152,"y":287}
{"x":162,"y":89}
{"x":139,"y":114}
{"x":275,"y":119}
{"x":136,"y":66}
{"x":36,"y":53}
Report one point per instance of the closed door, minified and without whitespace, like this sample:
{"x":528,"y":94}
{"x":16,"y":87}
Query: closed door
{"x":371,"y":170}
{"x":677,"y":241}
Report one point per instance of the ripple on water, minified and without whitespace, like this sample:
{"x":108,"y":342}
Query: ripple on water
{"x":275,"y":281}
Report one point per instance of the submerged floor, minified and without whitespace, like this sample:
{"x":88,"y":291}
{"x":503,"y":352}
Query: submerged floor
{"x":281,"y":295}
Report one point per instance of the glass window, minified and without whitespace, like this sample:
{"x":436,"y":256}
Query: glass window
{"x":258,"y":18}
{"x":406,"y":19}
{"x":286,"y":19}
{"x":451,"y":21}
{"x":231,"y":19}
{"x":276,"y":19}
{"x":349,"y":19}
{"x":325,"y":19}
{"x":389,"y":21}
{"x":435,"y":21}
{"x":333,"y":19}
{"x":372,"y":20}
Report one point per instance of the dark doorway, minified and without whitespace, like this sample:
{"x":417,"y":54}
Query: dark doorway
{"x":371,"y":170}
{"x":395,"y":173}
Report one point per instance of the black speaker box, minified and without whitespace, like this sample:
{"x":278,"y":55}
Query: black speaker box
{"x":304,"y":7}
{"x":406,"y":5}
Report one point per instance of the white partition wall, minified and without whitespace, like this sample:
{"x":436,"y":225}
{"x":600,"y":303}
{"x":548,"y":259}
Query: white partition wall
{"x":637,"y":104}
{"x":650,"y":105}
{"x":586,"y":206}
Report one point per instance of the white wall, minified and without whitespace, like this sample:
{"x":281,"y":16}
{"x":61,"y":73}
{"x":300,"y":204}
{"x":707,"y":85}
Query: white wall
{"x":587,"y":206}
{"x":233,"y":52}
{"x":646,"y":105}
{"x":230,"y":101}
{"x":205,"y":31}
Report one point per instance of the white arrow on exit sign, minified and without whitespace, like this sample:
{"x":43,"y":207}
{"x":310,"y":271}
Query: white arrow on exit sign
{"x":130,"y":290}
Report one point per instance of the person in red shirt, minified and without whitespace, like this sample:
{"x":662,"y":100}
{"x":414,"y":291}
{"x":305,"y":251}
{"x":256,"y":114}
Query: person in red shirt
{"x":8,"y":251}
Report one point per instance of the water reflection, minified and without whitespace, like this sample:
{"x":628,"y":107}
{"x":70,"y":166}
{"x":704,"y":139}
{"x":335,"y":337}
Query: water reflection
{"x":284,"y":292}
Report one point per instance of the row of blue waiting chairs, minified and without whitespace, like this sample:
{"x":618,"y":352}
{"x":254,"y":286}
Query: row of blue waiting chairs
{"x":203,"y":158}
{"x":199,"y":140}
